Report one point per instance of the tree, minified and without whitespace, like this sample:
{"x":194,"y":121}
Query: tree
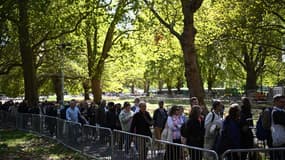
{"x":250,"y":45}
{"x":186,"y":38}
{"x":30,"y":82}
{"x":116,"y":13}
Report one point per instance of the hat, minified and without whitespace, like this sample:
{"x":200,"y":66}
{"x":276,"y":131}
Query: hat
{"x":278,"y":96}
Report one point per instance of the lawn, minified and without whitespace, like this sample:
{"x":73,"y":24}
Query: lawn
{"x":18,"y":145}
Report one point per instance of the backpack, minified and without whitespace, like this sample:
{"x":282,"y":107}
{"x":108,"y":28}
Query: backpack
{"x":210,"y":128}
{"x":263,"y":124}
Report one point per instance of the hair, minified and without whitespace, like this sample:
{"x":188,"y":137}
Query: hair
{"x":142,"y":103}
{"x":173,"y":109}
{"x":215,"y":104}
{"x":126,"y":104}
{"x":195,"y":112}
{"x":160,"y":103}
{"x":137,"y":100}
{"x":246,"y":105}
{"x":193,"y":99}
{"x":233,"y":111}
{"x":111,"y":105}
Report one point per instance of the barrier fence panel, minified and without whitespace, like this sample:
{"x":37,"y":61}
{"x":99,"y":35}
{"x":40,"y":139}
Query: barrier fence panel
{"x":7,"y":119}
{"x":70,"y":134}
{"x":97,"y":142}
{"x":36,"y":123}
{"x":27,"y":122}
{"x":48,"y":126}
{"x":131,"y":146}
{"x":19,"y":121}
{"x":254,"y":154}
{"x":164,"y":150}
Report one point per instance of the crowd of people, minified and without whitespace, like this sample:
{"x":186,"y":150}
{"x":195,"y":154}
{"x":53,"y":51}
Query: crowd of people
{"x":214,"y":130}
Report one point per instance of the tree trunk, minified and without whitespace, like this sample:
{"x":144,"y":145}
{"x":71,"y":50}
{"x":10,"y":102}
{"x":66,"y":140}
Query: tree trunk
{"x":179,"y":85}
{"x":146,"y":87}
{"x":169,"y":91}
{"x":192,"y":72}
{"x":30,"y":81}
{"x":187,"y":41}
{"x":86,"y":88}
{"x":251,"y":79}
{"x":96,"y":89}
{"x":132,"y":88}
{"x":56,"y":80}
{"x":160,"y":86}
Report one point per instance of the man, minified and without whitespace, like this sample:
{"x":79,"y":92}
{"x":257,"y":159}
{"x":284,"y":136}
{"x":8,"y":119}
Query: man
{"x":159,"y":118}
{"x":73,"y":113}
{"x":278,"y":126}
{"x":136,"y":107}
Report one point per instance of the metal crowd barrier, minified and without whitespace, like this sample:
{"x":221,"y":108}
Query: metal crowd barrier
{"x":255,"y":154}
{"x":103,"y":143}
{"x":164,"y":150}
{"x":9,"y":120}
{"x":131,"y":146}
{"x":97,"y":141}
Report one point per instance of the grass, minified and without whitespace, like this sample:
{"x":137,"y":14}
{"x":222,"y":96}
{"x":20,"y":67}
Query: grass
{"x":18,"y":145}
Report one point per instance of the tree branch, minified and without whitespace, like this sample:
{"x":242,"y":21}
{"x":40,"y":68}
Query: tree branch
{"x":5,"y":69}
{"x":162,"y":21}
{"x":46,"y":37}
{"x":263,"y":44}
{"x":279,"y":16}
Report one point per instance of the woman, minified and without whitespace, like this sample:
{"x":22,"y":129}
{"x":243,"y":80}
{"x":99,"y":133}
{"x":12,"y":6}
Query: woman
{"x":174,"y":123}
{"x":213,"y":127}
{"x":230,"y":136}
{"x":195,"y":132}
{"x":245,"y":126}
{"x":126,"y":117}
{"x":141,"y":125}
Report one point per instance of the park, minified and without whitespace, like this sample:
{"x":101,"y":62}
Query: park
{"x":157,"y":50}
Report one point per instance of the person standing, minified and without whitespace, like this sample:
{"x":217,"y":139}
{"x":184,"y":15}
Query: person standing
{"x":213,"y":127}
{"x":159,"y":118}
{"x":195,"y":132}
{"x":126,"y":117}
{"x":246,"y":123}
{"x":278,"y":127}
{"x":230,"y":135}
{"x":136,"y":107}
{"x":73,"y":113}
{"x":141,"y":125}
{"x":173,"y":123}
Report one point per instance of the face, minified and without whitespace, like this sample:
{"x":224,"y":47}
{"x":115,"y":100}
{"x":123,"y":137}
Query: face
{"x":281,"y":102}
{"x":220,"y":108}
{"x":195,"y":102}
{"x":128,"y":108}
{"x":142,"y":107}
{"x":72,"y":104}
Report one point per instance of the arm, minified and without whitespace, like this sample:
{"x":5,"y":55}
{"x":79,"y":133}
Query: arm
{"x":125,"y":117}
{"x":170,"y":123}
{"x":67,"y":114}
{"x":133,"y":125}
{"x":148,"y":119}
{"x":81,"y":116}
{"x":155,"y":114}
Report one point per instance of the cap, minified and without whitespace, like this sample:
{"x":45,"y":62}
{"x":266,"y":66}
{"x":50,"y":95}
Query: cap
{"x":277,"y":96}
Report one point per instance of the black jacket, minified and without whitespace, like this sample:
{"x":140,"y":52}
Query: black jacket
{"x":141,"y":123}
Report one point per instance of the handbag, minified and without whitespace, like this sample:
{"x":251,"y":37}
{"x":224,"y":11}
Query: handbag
{"x":166,"y":134}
